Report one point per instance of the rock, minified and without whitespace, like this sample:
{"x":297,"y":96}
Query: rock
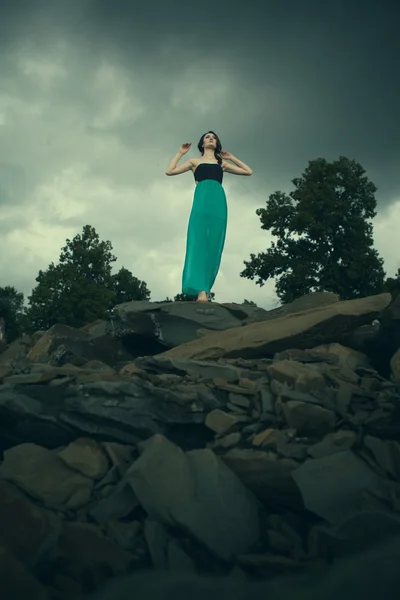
{"x":157,"y":539}
{"x":16,"y":350}
{"x":308,"y":419}
{"x":173,"y":323}
{"x":386,"y":454}
{"x":301,"y":330}
{"x":16,"y":582}
{"x":332,"y":443}
{"x":332,"y":486}
{"x":62,"y":344}
{"x":228,"y":441}
{"x":198,"y":493}
{"x":222,"y":422}
{"x":45,"y":476}
{"x":121,"y":411}
{"x":86,"y":456}
{"x":306,"y":302}
{"x":395,"y":366}
{"x":178,"y":560}
{"x":346,"y":358}
{"x":26,"y":530}
{"x":120,"y":435}
{"x":268,"y":477}
{"x":368,"y":572}
{"x":87,"y":554}
{"x":193,"y":368}
{"x":119,"y":504}
{"x":120,"y":455}
{"x":297,"y":375}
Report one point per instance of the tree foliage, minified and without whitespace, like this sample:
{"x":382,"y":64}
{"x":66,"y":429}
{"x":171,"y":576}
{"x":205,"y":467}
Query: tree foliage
{"x":324,"y":235}
{"x":12,"y":311}
{"x":80,"y":288}
{"x":392,"y":285}
{"x":249,"y":302}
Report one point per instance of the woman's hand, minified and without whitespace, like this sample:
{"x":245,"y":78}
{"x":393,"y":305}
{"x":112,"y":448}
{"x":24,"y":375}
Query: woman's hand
{"x":226,"y":155}
{"x":184,"y":148}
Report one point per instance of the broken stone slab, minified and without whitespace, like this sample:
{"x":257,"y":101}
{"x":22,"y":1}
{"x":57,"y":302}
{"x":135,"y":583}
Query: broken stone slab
{"x":171,"y":323}
{"x":126,"y":535}
{"x":193,"y":368}
{"x":336,"y":441}
{"x":222,"y":422}
{"x":117,"y":505}
{"x":302,"y":330}
{"x":43,"y":475}
{"x":16,"y":581}
{"x":321,"y":397}
{"x":395,"y":366}
{"x":17,"y":350}
{"x":267,"y":476}
{"x":305,"y":356}
{"x":297,"y":376}
{"x":26,"y":530}
{"x":346,"y":358}
{"x":86,"y":456}
{"x":332,"y":486}
{"x":62,"y":344}
{"x":386,"y":453}
{"x":118,"y":411}
{"x":308,"y":419}
{"x":86,"y":554}
{"x":306,"y":302}
{"x":198,"y":493}
{"x":360,"y":531}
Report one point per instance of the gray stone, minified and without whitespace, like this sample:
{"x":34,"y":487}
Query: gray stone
{"x":308,"y":419}
{"x":332,"y":486}
{"x":122,"y":411}
{"x":115,"y":506}
{"x":194,"y":368}
{"x":198,"y":493}
{"x":324,"y":324}
{"x":332,"y":443}
{"x":43,"y":475}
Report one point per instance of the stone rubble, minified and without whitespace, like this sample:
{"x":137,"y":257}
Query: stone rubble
{"x":115,"y":460}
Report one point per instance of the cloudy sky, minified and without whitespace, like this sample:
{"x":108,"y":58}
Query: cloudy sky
{"x":96,"y":96}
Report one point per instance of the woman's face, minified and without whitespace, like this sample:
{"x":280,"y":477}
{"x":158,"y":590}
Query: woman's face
{"x":210,"y":140}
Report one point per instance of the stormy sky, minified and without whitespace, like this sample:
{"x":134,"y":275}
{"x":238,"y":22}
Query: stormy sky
{"x":97,"y":96}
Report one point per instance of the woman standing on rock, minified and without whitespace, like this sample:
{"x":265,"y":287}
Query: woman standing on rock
{"x":208,"y":218}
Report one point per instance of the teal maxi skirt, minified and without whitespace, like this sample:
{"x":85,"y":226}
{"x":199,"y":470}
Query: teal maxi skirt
{"x":205,"y":237}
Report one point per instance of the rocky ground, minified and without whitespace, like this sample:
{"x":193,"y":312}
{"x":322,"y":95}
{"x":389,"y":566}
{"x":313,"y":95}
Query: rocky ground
{"x":204,"y":439}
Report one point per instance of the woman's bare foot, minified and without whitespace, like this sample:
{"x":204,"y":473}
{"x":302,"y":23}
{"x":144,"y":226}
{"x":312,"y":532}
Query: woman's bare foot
{"x":202,"y":297}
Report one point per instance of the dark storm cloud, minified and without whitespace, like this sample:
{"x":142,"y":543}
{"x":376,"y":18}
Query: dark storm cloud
{"x":335,"y":65}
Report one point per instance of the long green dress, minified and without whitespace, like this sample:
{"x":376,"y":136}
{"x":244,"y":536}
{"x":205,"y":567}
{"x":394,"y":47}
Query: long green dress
{"x":206,"y":230}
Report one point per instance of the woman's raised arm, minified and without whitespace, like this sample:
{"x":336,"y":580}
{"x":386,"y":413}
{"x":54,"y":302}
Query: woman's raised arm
{"x":173,"y":168}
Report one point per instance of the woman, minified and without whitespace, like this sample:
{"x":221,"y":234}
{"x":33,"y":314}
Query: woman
{"x":208,"y":219}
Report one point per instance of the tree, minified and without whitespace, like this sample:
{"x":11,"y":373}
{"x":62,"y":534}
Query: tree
{"x":80,"y":288}
{"x":392,"y":285}
{"x":249,"y":302}
{"x":11,"y":310}
{"x":128,"y":288}
{"x":324,"y":235}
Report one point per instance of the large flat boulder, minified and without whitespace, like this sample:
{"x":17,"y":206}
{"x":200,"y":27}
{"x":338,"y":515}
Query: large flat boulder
{"x":169,"y":324}
{"x":302,"y":330}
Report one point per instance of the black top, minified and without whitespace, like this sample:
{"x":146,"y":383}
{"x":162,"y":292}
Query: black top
{"x":208,"y":171}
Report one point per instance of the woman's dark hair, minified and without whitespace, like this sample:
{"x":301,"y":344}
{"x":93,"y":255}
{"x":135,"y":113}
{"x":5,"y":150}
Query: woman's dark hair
{"x":218,"y":149}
